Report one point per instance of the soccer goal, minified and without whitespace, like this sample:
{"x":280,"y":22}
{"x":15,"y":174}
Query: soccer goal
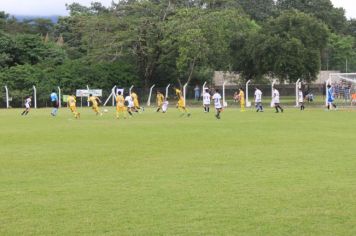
{"x":343,"y":87}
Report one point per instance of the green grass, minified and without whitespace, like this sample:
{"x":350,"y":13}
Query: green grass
{"x":158,"y":174}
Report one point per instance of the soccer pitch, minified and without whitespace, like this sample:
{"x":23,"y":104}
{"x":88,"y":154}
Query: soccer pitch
{"x":160,"y":174}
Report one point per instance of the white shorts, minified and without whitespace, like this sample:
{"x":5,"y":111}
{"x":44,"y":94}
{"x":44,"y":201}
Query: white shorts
{"x":27,"y":106}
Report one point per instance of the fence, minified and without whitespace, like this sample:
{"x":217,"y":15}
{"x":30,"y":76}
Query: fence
{"x":287,"y":93}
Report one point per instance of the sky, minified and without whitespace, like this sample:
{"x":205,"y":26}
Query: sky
{"x":57,"y":7}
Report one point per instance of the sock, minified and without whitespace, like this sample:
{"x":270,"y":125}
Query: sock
{"x":23,"y":113}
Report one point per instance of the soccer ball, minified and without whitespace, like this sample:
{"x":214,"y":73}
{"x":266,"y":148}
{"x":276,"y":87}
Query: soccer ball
{"x":106,"y":110}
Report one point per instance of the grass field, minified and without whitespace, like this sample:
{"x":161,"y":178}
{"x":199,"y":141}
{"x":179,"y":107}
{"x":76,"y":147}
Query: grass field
{"x":159,"y":174}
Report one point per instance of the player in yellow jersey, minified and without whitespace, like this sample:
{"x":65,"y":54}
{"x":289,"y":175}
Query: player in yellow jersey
{"x":180,"y":103}
{"x":72,"y":104}
{"x":95,"y":104}
{"x":136,"y":107}
{"x":242,"y":99}
{"x":159,"y":100}
{"x":120,"y":105}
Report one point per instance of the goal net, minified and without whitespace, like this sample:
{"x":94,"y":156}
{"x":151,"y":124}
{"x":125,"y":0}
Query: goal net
{"x":343,"y":87}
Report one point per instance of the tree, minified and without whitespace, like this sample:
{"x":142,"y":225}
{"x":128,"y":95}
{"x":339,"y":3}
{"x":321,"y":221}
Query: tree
{"x":322,"y":9}
{"x":288,"y":47}
{"x":341,"y":50}
{"x":202,"y":38}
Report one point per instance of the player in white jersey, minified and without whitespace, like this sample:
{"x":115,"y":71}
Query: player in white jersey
{"x":206,"y":100}
{"x":301,"y":99}
{"x":217,"y":103}
{"x":258,"y":99}
{"x":129,"y":103}
{"x":28,"y":101}
{"x":165,"y":106}
{"x":276,"y":101}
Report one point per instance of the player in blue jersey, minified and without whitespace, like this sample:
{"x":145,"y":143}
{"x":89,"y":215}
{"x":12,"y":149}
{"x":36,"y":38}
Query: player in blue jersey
{"x":331,"y":98}
{"x":54,"y":102}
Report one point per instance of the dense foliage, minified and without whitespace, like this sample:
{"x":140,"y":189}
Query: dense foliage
{"x":146,"y":42}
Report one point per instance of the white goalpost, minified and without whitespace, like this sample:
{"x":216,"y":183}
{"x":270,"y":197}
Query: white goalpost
{"x":343,"y":87}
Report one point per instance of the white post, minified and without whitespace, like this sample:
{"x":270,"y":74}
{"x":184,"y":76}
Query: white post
{"x":130,"y":89}
{"x":203,"y":88}
{"x":297,"y":93}
{"x":112,"y":95}
{"x":224,"y":101}
{"x":167,"y":90}
{"x":185,"y":92}
{"x":88,"y":96}
{"x":149,"y":96}
{"x":7,"y":96}
{"x":248,"y":103}
{"x":272,"y":86}
{"x":34,"y":96}
{"x":59,"y":97}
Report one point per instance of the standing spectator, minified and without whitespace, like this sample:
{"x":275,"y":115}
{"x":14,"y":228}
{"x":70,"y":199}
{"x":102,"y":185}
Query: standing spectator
{"x":197,"y":93}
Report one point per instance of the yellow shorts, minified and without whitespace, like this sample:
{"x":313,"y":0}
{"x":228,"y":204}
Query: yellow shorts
{"x":136,"y":104}
{"x":73,"y":108}
{"x":180,"y":103}
{"x":120,"y":109}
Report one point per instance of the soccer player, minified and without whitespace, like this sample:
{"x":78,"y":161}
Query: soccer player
{"x":159,"y":100}
{"x":120,"y":105}
{"x":27,"y":106}
{"x":129,"y":104}
{"x":242,"y":99}
{"x":180,"y":103}
{"x":136,"y":106}
{"x":276,"y":101}
{"x":301,"y":99}
{"x":95,"y":104}
{"x":54,"y":102}
{"x":331,"y":98}
{"x":206,"y":100}
{"x":165,"y":106}
{"x":258,"y":100}
{"x":72,"y":104}
{"x":217,"y":103}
